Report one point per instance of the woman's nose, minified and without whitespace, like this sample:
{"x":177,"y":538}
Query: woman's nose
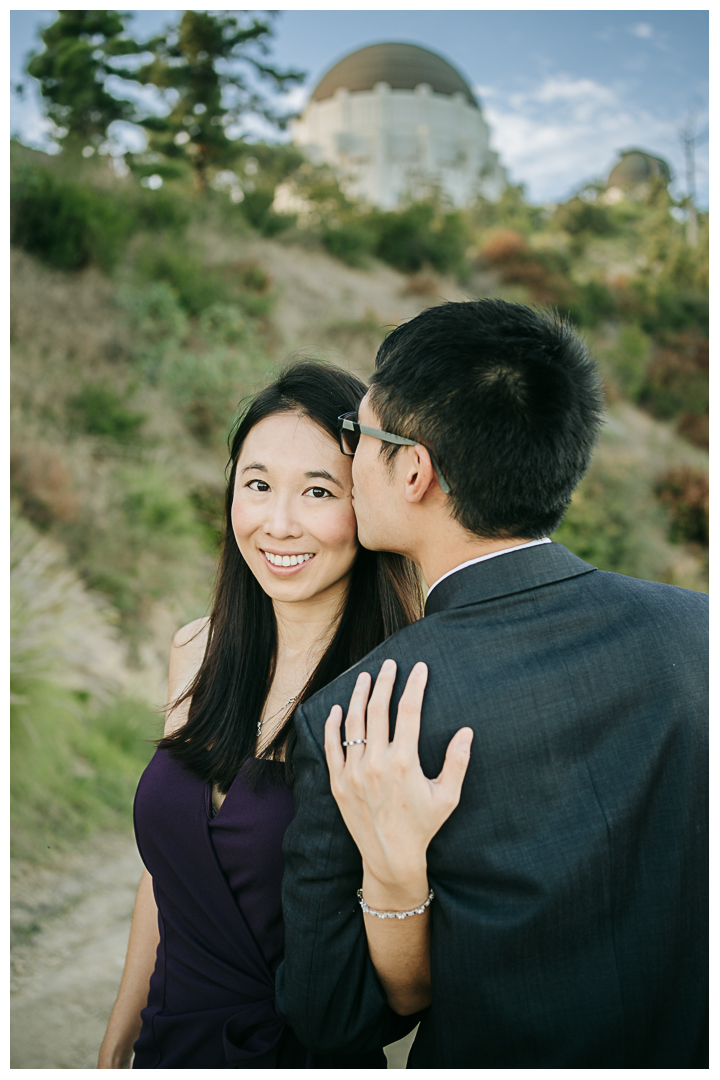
{"x":281,"y":522}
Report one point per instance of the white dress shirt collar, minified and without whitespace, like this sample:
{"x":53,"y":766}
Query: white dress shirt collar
{"x":492,"y":555}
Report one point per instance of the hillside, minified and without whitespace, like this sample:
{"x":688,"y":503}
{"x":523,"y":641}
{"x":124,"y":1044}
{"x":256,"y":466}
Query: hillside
{"x":139,"y":325}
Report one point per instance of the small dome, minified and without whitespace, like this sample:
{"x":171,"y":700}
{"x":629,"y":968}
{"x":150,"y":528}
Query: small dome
{"x":637,"y":167}
{"x":401,"y":66}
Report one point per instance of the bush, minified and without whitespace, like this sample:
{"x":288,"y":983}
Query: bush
{"x":628,"y":358}
{"x":257,"y":209}
{"x":611,"y":523}
{"x":351,"y":242}
{"x":206,"y":386}
{"x":420,"y":236}
{"x":676,"y":380}
{"x":686,"y":494}
{"x":580,"y":218}
{"x":195,"y":286}
{"x":100,"y":410}
{"x":74,"y":766}
{"x":64,"y":224}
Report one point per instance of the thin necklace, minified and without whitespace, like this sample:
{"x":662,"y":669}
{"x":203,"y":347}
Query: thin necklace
{"x":272,"y":717}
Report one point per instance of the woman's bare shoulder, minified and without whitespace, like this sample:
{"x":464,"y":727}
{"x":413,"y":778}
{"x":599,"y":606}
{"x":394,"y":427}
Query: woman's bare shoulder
{"x":186,"y":656}
{"x":193,"y":633}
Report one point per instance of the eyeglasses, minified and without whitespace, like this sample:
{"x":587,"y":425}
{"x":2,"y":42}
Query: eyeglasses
{"x":350,"y":431}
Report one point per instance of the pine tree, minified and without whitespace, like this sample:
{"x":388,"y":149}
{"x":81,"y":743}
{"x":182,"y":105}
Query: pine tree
{"x":81,"y":51}
{"x":203,"y":68}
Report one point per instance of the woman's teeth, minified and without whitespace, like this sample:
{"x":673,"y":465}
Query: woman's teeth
{"x":286,"y":560}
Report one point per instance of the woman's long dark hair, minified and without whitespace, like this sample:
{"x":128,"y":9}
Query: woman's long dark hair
{"x":229,"y":692}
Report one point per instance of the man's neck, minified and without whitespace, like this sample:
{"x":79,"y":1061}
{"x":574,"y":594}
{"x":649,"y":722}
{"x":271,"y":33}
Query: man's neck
{"x":437,"y":559}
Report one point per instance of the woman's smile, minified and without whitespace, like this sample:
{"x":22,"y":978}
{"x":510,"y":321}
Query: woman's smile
{"x":285,"y":563}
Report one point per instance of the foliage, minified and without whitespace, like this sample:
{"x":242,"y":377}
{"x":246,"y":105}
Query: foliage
{"x":511,"y":211}
{"x":100,"y":410}
{"x":676,"y":379}
{"x":74,"y":766}
{"x":59,"y":632}
{"x":613,"y":522}
{"x":81,"y":52}
{"x":686,"y":493}
{"x":420,"y":235}
{"x":628,"y":357}
{"x":67,"y":225}
{"x":177,"y":264}
{"x":201,"y":69}
{"x":583,"y":219}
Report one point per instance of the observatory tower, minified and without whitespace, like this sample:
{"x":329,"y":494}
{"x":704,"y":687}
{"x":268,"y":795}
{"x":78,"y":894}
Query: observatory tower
{"x":397,"y":121}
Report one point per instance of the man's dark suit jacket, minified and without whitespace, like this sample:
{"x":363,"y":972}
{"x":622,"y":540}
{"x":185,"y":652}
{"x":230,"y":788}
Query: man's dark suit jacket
{"x":570,"y":915}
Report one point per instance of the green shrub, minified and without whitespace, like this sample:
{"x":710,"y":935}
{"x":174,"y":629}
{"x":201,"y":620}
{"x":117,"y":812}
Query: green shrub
{"x":350,"y":241}
{"x":578,"y":217}
{"x":257,"y":209}
{"x":676,"y":379}
{"x":206,"y":386}
{"x":74,"y":766}
{"x":160,"y":210}
{"x":98,"y":409}
{"x":596,"y":303}
{"x":176,"y":264}
{"x":628,"y":358}
{"x":419,"y":236}
{"x":65,"y":224}
{"x":612,"y":522}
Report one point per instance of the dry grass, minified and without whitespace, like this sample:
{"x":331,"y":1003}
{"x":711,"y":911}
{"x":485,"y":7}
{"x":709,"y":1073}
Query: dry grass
{"x":60,"y":633}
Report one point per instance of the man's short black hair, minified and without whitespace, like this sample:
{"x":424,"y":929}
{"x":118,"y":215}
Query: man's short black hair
{"x":508,"y":400}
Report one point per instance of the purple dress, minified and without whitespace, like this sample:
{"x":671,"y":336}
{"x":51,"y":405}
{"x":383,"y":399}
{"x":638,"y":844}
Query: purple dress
{"x":211,"y":1003}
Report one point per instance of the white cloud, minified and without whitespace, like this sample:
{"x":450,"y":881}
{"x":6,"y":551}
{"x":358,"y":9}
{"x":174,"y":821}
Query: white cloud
{"x":566,"y":131}
{"x":642,"y":30}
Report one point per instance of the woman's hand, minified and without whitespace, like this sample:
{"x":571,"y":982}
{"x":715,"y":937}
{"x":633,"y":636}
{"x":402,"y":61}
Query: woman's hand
{"x":390,"y":807}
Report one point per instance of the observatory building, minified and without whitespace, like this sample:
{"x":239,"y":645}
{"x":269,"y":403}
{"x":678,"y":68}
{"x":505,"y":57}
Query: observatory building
{"x":634,"y":175}
{"x":397,"y":122}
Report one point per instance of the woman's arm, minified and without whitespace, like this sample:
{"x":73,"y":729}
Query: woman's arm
{"x":186,"y":654}
{"x":124,"y":1024}
{"x":392,"y":810}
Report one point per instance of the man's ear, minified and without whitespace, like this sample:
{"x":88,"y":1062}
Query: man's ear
{"x":419,"y":474}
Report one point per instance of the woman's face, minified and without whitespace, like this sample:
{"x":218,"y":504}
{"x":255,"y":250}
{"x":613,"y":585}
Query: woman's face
{"x":292,"y":510}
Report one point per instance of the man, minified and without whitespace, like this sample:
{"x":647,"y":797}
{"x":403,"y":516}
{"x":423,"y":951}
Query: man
{"x":569,"y":920}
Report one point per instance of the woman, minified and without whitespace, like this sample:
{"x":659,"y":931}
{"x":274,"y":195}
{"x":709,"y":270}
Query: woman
{"x":297,"y":603}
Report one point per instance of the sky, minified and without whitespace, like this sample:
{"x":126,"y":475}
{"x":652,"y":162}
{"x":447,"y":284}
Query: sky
{"x":562,"y":91}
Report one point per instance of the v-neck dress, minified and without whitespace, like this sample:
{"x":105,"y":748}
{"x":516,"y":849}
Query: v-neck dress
{"x":211,"y":1002}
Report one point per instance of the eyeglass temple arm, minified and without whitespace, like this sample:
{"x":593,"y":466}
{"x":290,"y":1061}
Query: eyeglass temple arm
{"x":400,"y":440}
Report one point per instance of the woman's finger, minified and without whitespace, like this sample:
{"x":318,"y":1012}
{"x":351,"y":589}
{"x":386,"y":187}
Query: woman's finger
{"x":378,"y":710}
{"x":355,"y":719}
{"x":407,"y":728}
{"x":457,"y":759}
{"x":333,"y":750}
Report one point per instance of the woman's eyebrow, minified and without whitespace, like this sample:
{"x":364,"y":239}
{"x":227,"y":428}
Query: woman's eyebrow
{"x":255,"y":465}
{"x":321,"y":474}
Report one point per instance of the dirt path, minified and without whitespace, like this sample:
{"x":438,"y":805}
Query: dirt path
{"x":70,"y":925}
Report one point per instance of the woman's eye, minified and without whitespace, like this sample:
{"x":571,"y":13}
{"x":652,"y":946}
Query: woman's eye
{"x":320,"y":493}
{"x":258,"y":485}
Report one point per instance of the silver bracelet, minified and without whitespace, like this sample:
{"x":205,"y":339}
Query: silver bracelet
{"x":395,"y":914}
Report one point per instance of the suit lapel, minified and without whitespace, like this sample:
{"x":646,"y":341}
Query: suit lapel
{"x":514,"y":572}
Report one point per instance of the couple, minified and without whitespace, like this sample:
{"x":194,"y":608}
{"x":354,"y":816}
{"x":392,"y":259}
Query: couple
{"x":541,"y":903}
